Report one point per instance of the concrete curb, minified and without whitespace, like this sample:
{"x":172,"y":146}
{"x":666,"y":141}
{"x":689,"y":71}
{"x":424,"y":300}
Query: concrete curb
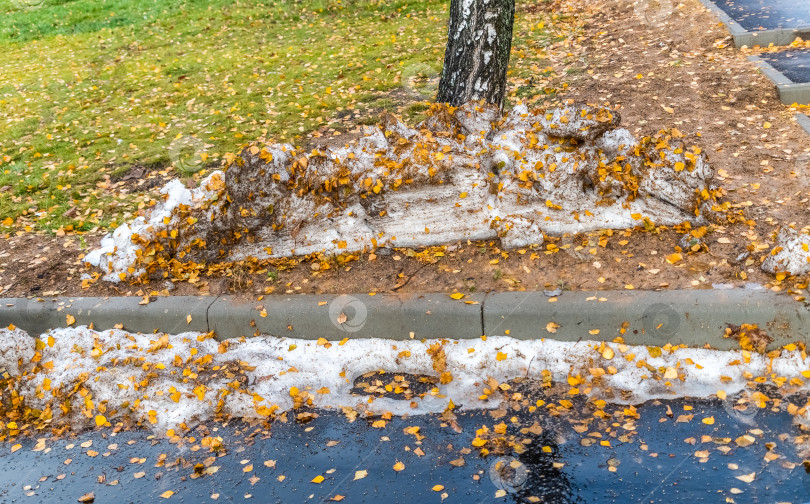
{"x":692,"y":318}
{"x":763,"y":38}
{"x":804,"y":122}
{"x":789,"y":91}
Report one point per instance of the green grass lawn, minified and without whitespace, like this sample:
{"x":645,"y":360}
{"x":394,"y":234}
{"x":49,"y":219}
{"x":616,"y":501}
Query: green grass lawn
{"x":91,"y":90}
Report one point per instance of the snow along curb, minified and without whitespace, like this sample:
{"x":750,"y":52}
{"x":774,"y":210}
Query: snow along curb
{"x":692,"y":318}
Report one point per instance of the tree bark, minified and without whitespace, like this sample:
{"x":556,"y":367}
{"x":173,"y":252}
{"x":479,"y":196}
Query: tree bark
{"x":479,"y":40}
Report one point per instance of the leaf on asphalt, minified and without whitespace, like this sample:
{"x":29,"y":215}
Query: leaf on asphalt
{"x":747,"y":478}
{"x":360,"y":474}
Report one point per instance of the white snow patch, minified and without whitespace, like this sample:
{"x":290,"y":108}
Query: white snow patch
{"x":117,"y":252}
{"x":151,"y":377}
{"x":514,"y":178}
{"x":792,"y":253}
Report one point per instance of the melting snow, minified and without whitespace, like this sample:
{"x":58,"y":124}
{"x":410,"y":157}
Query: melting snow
{"x":165,"y":380}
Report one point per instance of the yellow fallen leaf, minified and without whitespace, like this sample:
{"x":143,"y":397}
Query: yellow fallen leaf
{"x":360,"y":475}
{"x":167,"y":494}
{"x":318,"y":479}
{"x":457,"y":295}
{"x":100,"y":420}
{"x":709,"y":420}
{"x":747,"y":478}
{"x":437,"y":488}
{"x":552,"y":327}
{"x":399,"y":466}
{"x":88,"y":497}
{"x":70,"y":319}
{"x":188,"y":319}
{"x":16,"y":447}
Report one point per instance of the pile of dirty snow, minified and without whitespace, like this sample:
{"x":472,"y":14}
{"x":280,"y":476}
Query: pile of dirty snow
{"x":164,"y":381}
{"x":465,"y":173}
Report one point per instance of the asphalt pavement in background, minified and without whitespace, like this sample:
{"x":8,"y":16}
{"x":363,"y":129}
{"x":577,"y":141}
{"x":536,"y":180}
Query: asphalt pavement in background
{"x":756,"y":15}
{"x":795,"y":65}
{"x":665,"y":462}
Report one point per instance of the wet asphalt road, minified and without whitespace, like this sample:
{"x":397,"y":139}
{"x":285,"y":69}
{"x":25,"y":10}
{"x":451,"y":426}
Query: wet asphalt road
{"x":795,"y":65}
{"x":656,"y":466}
{"x":755,"y":15}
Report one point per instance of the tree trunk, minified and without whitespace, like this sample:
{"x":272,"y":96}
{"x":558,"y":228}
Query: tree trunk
{"x":479,"y":39}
